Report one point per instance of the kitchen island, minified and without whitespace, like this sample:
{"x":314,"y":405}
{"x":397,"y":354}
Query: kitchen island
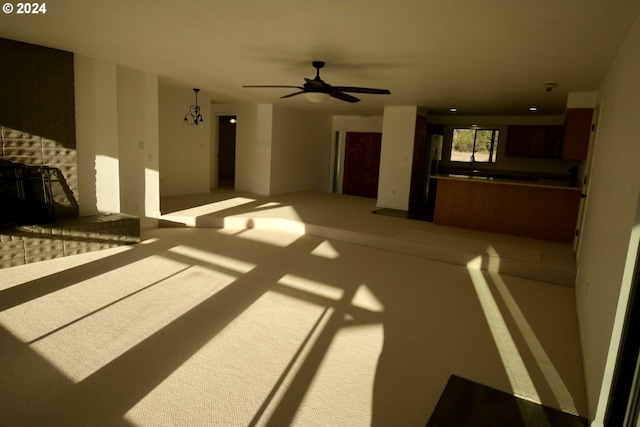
{"x":541,"y":209}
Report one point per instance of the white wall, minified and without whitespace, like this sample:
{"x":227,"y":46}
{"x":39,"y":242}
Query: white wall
{"x":117,"y":140}
{"x":300,"y":151}
{"x":184,"y":150}
{"x":605,"y":258}
{"x":398,"y":134}
{"x":253,"y":148}
{"x":278,"y":150}
{"x":582,"y":100}
{"x":357,"y":123}
{"x":138,"y":144}
{"x":96,"y":136}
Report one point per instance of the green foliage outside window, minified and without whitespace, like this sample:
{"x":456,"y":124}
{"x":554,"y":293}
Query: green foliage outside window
{"x":481,"y":145}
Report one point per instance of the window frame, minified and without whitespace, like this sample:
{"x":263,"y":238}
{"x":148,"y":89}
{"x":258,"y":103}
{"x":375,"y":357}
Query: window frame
{"x":493,"y":149}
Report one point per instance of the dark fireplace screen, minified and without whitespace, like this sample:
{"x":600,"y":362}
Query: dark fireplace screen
{"x":25,"y":195}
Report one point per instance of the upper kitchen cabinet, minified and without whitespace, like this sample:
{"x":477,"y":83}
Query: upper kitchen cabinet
{"x":568,"y":142}
{"x":577,"y":131}
{"x":534,"y":141}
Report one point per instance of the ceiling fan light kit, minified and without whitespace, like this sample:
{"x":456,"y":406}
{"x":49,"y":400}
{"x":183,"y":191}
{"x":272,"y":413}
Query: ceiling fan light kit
{"x":317,"y":90}
{"x":316,"y":96}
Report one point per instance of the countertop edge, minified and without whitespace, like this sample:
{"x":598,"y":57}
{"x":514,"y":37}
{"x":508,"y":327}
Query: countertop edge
{"x":488,"y":180}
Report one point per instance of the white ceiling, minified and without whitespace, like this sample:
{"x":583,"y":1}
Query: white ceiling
{"x":481,"y":56}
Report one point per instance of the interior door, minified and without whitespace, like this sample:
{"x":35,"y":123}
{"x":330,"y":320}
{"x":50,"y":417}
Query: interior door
{"x":362,"y":164}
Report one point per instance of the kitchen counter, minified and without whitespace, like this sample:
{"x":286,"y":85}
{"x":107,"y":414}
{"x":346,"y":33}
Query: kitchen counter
{"x":537,"y":182}
{"x":541,"y":208}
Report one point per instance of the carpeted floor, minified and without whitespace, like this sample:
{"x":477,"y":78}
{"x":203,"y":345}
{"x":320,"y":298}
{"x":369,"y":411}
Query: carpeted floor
{"x":350,"y":219}
{"x":255,"y":326}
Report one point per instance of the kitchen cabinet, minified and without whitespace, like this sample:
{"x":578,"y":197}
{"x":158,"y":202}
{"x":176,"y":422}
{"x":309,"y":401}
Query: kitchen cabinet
{"x":517,"y":137}
{"x":510,"y":207}
{"x":534,"y":141}
{"x":577,"y":131}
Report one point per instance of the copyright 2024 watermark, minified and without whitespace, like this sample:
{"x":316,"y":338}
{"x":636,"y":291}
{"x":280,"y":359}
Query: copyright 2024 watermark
{"x":25,"y":8}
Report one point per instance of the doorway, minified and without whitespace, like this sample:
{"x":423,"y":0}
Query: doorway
{"x":362,"y":164}
{"x":226,"y":151}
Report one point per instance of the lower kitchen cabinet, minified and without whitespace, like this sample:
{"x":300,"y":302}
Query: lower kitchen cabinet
{"x":521,"y":209}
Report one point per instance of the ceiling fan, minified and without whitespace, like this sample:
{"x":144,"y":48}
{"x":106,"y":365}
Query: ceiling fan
{"x":317,"y":90}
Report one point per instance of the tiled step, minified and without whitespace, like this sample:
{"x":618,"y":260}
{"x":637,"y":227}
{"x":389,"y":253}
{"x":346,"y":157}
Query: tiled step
{"x":29,"y":244}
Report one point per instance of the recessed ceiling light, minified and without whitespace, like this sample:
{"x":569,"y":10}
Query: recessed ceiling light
{"x":453,"y":110}
{"x":533,"y":108}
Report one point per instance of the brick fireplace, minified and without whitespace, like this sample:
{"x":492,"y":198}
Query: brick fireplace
{"x":38,"y":162}
{"x":38,"y":179}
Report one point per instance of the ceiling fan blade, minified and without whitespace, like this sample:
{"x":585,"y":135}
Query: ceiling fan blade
{"x":317,"y":85}
{"x":362,"y":90}
{"x":343,"y":96}
{"x":294,"y":87}
{"x":292,"y":94}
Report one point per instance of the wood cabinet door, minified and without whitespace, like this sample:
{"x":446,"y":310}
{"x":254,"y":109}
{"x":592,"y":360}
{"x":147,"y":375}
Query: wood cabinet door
{"x":362,"y":164}
{"x":553,"y":141}
{"x":516,"y":141}
{"x":522,"y":210}
{"x":534,"y":141}
{"x":577,"y":131}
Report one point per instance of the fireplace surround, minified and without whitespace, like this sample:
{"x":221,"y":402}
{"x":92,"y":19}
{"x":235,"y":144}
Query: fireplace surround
{"x":39,"y":212}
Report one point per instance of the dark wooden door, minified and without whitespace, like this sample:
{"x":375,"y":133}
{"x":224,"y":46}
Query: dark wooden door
{"x":362,"y":164}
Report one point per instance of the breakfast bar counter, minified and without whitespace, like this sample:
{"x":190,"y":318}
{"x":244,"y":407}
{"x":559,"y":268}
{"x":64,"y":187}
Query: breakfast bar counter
{"x":542,"y":209}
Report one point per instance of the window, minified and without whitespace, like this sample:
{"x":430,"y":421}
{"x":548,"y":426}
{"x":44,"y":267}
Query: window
{"x":474,"y":145}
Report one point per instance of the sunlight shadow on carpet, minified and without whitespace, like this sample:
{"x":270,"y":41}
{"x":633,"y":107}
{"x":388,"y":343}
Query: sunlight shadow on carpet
{"x":515,"y":368}
{"x":551,"y":375}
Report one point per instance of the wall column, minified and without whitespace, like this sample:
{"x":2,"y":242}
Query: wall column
{"x":396,"y":157}
{"x":97,"y":136}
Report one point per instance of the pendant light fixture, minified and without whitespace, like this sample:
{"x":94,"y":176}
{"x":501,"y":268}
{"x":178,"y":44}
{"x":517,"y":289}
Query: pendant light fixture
{"x":193,"y":117}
